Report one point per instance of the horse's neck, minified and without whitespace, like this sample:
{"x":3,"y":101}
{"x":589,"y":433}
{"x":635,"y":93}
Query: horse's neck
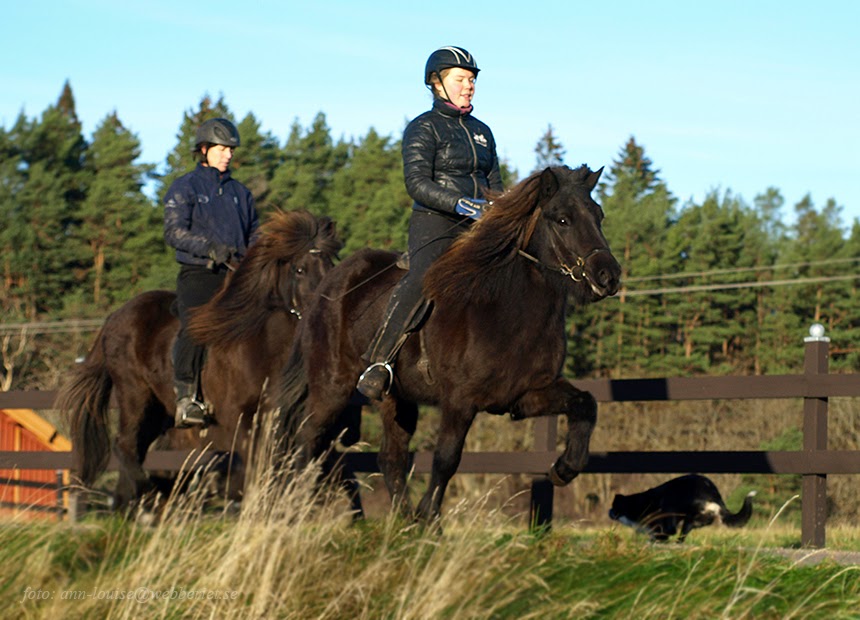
{"x":537,"y":299}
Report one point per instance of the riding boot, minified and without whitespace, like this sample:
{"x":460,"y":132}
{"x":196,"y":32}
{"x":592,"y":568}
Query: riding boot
{"x":378,"y":377}
{"x":189,"y":411}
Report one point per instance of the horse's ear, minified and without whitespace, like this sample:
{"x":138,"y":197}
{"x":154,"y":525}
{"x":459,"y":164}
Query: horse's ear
{"x":548,"y":185}
{"x":326,"y":226}
{"x":593,"y":178}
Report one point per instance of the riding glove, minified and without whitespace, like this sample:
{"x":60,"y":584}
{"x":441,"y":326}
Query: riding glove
{"x":221,"y":254}
{"x":471,"y":207}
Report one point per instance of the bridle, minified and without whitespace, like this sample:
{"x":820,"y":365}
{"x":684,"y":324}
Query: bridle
{"x":576,"y":271}
{"x":294,"y":286}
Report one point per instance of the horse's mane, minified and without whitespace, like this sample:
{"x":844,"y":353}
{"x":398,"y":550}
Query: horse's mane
{"x":240,"y":309}
{"x":479,"y":266}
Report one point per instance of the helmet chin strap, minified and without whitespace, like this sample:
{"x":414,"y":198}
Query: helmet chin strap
{"x":447,"y":96}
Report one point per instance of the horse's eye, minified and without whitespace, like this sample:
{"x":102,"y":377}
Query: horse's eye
{"x":563,"y":221}
{"x":300,"y":270}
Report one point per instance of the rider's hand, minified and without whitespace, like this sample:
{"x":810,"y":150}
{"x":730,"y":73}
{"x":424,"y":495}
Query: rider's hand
{"x":221,"y":254}
{"x":471,"y":207}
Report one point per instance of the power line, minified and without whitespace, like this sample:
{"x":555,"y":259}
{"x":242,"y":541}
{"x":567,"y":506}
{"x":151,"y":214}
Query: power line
{"x":735,"y":285}
{"x":692,"y":274}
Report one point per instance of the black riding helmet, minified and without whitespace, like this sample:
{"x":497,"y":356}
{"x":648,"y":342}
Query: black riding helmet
{"x":447,"y":58}
{"x":217,"y":131}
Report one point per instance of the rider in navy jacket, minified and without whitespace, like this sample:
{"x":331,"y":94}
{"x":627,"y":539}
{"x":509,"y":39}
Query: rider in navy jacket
{"x":210,"y":220}
{"x":205,"y":208}
{"x":449,"y":159}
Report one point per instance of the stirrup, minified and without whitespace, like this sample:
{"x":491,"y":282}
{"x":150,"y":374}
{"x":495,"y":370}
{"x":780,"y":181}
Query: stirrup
{"x":375,"y":391}
{"x":182,"y":419}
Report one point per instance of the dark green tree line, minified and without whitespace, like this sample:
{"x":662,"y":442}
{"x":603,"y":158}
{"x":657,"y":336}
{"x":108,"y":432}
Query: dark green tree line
{"x":716,"y":287}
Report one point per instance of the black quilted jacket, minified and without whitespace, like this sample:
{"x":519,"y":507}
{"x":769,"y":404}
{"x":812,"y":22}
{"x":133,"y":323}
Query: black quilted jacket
{"x":446,"y":156}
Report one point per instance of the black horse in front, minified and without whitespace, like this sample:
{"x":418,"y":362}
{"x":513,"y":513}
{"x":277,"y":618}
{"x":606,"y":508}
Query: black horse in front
{"x":494,"y":340}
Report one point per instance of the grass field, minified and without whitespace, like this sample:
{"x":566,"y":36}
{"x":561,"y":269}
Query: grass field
{"x":298,"y":554}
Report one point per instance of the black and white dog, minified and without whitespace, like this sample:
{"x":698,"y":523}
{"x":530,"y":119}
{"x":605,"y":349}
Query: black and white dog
{"x":678,"y":506}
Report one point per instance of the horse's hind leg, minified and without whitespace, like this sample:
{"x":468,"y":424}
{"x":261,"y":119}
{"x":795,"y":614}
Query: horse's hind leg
{"x":581,"y":410}
{"x":399,"y":420}
{"x":141,"y":421}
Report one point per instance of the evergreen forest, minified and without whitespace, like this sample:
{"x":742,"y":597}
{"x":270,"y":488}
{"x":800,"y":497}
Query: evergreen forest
{"x":721,"y":287}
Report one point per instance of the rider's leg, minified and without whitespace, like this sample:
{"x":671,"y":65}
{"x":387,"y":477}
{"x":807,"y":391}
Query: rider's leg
{"x":195,"y":285}
{"x":430,"y":234}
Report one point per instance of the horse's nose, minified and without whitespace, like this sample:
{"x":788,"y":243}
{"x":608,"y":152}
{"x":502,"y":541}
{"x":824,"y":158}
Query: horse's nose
{"x":607,"y":279}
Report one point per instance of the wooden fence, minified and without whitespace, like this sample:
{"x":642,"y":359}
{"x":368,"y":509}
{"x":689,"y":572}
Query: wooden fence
{"x":814,"y":462}
{"x":56,"y":488}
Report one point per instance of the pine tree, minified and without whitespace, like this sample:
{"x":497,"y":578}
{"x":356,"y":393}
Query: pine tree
{"x":53,"y":185}
{"x":12,"y":180}
{"x":510,"y":175}
{"x":845,"y":349}
{"x":713,"y":242}
{"x":549,"y":151}
{"x":629,"y":332}
{"x":814,"y":244}
{"x":368,"y":197}
{"x":310,"y":161}
{"x":255,"y":161}
{"x":115,"y":215}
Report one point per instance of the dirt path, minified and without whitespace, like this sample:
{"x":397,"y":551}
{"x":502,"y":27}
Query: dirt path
{"x":811,"y":557}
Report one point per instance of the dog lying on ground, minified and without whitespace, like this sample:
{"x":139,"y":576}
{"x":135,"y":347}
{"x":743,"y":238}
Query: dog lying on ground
{"x":678,"y":506}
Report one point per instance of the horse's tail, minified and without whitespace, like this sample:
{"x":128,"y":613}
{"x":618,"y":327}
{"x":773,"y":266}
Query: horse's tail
{"x":742,"y":516}
{"x":84,"y":399}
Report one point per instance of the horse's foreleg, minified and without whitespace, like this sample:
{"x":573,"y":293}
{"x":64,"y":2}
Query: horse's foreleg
{"x":453,"y":428}
{"x":399,"y":420}
{"x":320,"y":428}
{"x":335,"y":468}
{"x":579,"y":407}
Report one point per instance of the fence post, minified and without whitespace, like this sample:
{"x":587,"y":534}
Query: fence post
{"x":814,"y":487}
{"x":542,"y":492}
{"x":60,"y":486}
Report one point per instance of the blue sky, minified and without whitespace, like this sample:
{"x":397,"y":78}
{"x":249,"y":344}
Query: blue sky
{"x":736,"y":95}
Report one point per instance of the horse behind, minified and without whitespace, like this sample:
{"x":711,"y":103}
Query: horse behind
{"x":494,"y":340}
{"x":247,"y":328}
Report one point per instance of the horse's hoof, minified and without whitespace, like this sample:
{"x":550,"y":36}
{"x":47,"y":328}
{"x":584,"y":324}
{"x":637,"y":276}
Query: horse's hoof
{"x":561,"y":480}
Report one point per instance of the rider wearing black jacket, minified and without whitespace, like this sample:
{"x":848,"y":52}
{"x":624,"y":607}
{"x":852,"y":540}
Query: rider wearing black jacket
{"x":448,"y":154}
{"x":449,"y":159}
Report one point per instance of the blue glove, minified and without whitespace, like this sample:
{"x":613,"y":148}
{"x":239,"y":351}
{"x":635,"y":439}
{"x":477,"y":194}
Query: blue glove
{"x":471,"y":207}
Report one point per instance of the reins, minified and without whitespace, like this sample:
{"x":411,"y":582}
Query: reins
{"x":575,"y":272}
{"x":379,"y":273}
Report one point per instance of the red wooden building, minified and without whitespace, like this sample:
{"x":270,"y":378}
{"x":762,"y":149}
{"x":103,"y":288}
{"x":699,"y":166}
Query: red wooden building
{"x":30,"y":490}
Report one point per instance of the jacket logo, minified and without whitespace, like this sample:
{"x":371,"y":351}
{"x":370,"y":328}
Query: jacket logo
{"x":479,"y":139}
{"x":202,"y":198}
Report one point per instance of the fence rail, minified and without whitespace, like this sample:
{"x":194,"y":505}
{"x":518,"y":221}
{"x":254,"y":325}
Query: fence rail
{"x":57,"y":487}
{"x":814,"y":462}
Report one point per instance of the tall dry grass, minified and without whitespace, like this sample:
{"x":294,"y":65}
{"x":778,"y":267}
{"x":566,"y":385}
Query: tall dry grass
{"x":294,"y":551}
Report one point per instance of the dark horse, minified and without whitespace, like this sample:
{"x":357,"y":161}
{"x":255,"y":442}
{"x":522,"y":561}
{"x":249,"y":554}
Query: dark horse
{"x":494,"y":340}
{"x":247,"y":328}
